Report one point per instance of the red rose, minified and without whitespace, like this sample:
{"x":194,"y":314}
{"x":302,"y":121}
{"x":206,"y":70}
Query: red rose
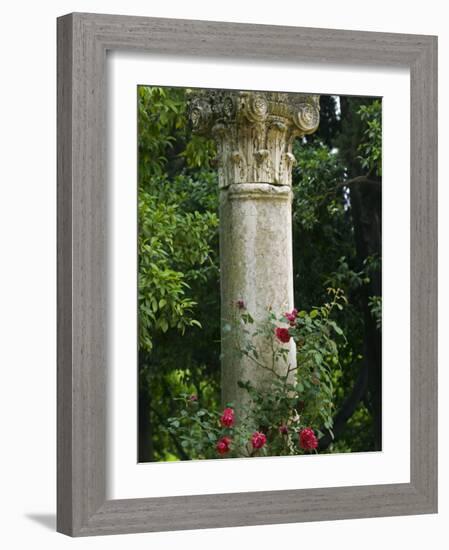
{"x":291,"y":316}
{"x":258,"y":440}
{"x":223,"y":445}
{"x":283,"y":430}
{"x":282,"y":335}
{"x":307,"y":439}
{"x":227,"y":418}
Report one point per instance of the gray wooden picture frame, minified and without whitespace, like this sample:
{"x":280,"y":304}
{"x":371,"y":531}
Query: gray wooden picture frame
{"x":83,"y":40}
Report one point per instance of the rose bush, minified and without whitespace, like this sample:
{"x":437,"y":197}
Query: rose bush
{"x":289,"y":416}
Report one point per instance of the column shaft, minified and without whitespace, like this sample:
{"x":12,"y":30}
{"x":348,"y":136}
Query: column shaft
{"x":256,"y":273}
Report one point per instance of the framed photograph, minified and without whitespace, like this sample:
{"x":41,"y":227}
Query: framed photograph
{"x":247,"y":274}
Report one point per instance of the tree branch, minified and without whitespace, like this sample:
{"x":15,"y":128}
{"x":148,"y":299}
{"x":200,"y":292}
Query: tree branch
{"x":182,"y":453}
{"x":361,"y":180}
{"x":348,"y":408}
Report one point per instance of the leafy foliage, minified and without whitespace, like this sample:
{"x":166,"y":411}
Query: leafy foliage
{"x":178,"y":266}
{"x":370,"y":148}
{"x":174,"y":251}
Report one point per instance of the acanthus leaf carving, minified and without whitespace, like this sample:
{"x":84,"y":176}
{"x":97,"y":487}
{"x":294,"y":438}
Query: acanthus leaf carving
{"x":254,"y":131}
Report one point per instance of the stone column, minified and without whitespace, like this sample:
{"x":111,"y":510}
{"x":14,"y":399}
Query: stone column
{"x":254,"y":133}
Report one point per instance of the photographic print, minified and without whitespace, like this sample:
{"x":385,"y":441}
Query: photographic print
{"x":259,"y":277}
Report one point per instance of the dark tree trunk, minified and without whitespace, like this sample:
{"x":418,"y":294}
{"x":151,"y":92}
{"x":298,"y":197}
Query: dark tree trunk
{"x":145,"y":451}
{"x":366,"y":213}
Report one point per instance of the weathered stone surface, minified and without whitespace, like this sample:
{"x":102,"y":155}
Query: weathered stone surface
{"x":256,"y":267}
{"x":254,"y":132}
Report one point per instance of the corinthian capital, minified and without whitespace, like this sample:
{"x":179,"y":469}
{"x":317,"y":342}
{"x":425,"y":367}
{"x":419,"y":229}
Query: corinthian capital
{"x":254,"y":131}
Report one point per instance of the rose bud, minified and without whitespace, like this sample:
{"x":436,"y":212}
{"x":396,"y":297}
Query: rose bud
{"x":282,"y":335}
{"x":227,"y":418}
{"x":307,"y":439}
{"x":258,"y":440}
{"x":291,"y":316}
{"x":223,"y":445}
